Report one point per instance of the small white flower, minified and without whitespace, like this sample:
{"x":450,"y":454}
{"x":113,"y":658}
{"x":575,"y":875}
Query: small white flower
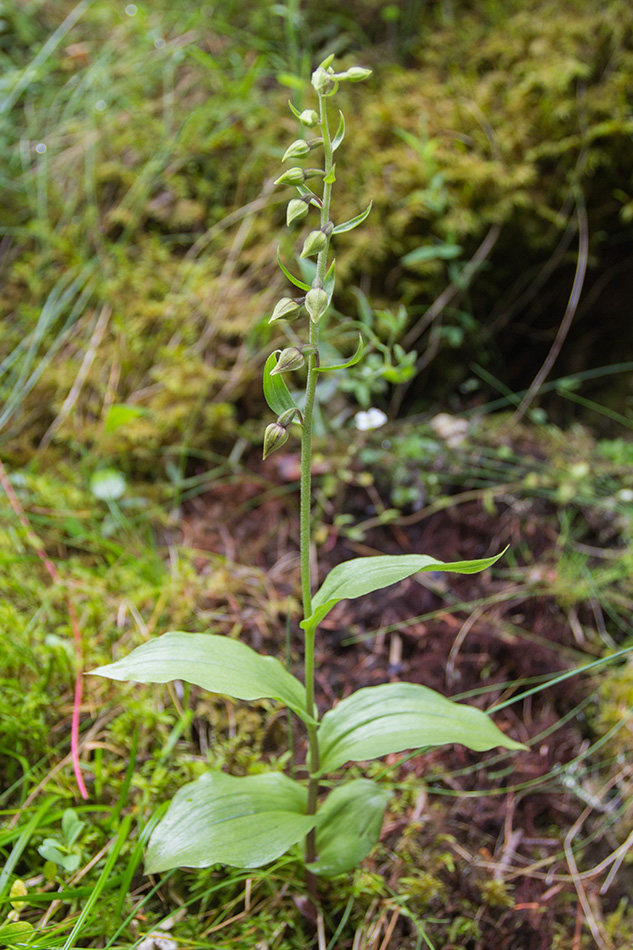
{"x":370,"y":419}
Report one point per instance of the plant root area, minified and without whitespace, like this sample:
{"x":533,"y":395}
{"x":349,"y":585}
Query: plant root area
{"x":504,"y":852}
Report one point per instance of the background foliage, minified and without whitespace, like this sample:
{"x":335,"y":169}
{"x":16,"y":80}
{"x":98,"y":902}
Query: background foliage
{"x":140,"y":222}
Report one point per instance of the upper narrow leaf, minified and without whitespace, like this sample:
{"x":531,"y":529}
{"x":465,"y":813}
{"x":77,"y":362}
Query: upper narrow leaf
{"x":219,"y":664}
{"x":393,"y":717}
{"x":362,"y":575}
{"x":340,"y":133}
{"x":353,"y":222}
{"x":221,"y":819}
{"x":348,"y":826}
{"x":330,"y":281}
{"x":293,"y":280}
{"x":276,"y":392}
{"x":358,"y":355}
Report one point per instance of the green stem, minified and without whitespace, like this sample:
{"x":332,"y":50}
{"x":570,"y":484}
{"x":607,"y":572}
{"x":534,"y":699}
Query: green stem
{"x":305,"y":509}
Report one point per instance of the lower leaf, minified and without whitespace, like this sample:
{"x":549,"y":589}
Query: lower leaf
{"x":394,"y":717}
{"x":348,"y":826}
{"x":220,"y":819}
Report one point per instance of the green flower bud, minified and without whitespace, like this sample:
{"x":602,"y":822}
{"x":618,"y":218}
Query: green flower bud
{"x":297,"y":209}
{"x":275,"y":436}
{"x":289,"y":416}
{"x":289,"y":359}
{"x":285,"y":309}
{"x":298,"y":149}
{"x":309,"y":117}
{"x":315,"y":242}
{"x":292,"y":176}
{"x":323,"y":81}
{"x":353,"y":74}
{"x":316,"y":303}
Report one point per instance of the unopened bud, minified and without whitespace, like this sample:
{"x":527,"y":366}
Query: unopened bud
{"x":353,"y":74}
{"x":309,"y":117}
{"x":288,"y":416}
{"x":292,"y":176}
{"x":275,"y":436}
{"x":285,"y":309}
{"x":298,"y":149}
{"x":316,"y":303}
{"x":315,"y":242}
{"x":289,"y":359}
{"x":297,"y":209}
{"x":323,"y":81}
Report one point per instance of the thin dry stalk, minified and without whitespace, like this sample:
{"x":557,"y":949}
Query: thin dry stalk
{"x":568,"y":316}
{"x":390,"y":929}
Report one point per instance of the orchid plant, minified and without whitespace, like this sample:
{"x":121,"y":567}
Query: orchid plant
{"x":251,"y":820}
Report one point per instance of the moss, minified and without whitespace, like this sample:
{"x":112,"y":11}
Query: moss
{"x":421,"y":890}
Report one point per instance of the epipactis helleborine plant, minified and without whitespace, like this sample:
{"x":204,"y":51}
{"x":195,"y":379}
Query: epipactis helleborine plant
{"x":252,"y":820}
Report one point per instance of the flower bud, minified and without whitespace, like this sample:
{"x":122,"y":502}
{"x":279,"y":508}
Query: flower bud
{"x":353,"y":74}
{"x":315,"y":242}
{"x":288,"y":416}
{"x":316,"y":303}
{"x":298,"y":149}
{"x":323,"y":81}
{"x":292,"y":176}
{"x":297,"y":209}
{"x":285,"y":309}
{"x":309,"y":117}
{"x":275,"y":436}
{"x":289,"y":359}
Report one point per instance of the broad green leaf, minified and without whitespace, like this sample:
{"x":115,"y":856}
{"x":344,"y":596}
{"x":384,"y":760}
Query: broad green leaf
{"x":219,"y":664}
{"x":276,"y":392}
{"x":340,"y":133}
{"x":358,"y":355}
{"x":348,"y":826}
{"x":293,"y":280}
{"x":221,"y":819}
{"x":379,"y":720}
{"x":16,"y":934}
{"x":362,"y":575}
{"x":353,"y":222}
{"x":329,"y":179}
